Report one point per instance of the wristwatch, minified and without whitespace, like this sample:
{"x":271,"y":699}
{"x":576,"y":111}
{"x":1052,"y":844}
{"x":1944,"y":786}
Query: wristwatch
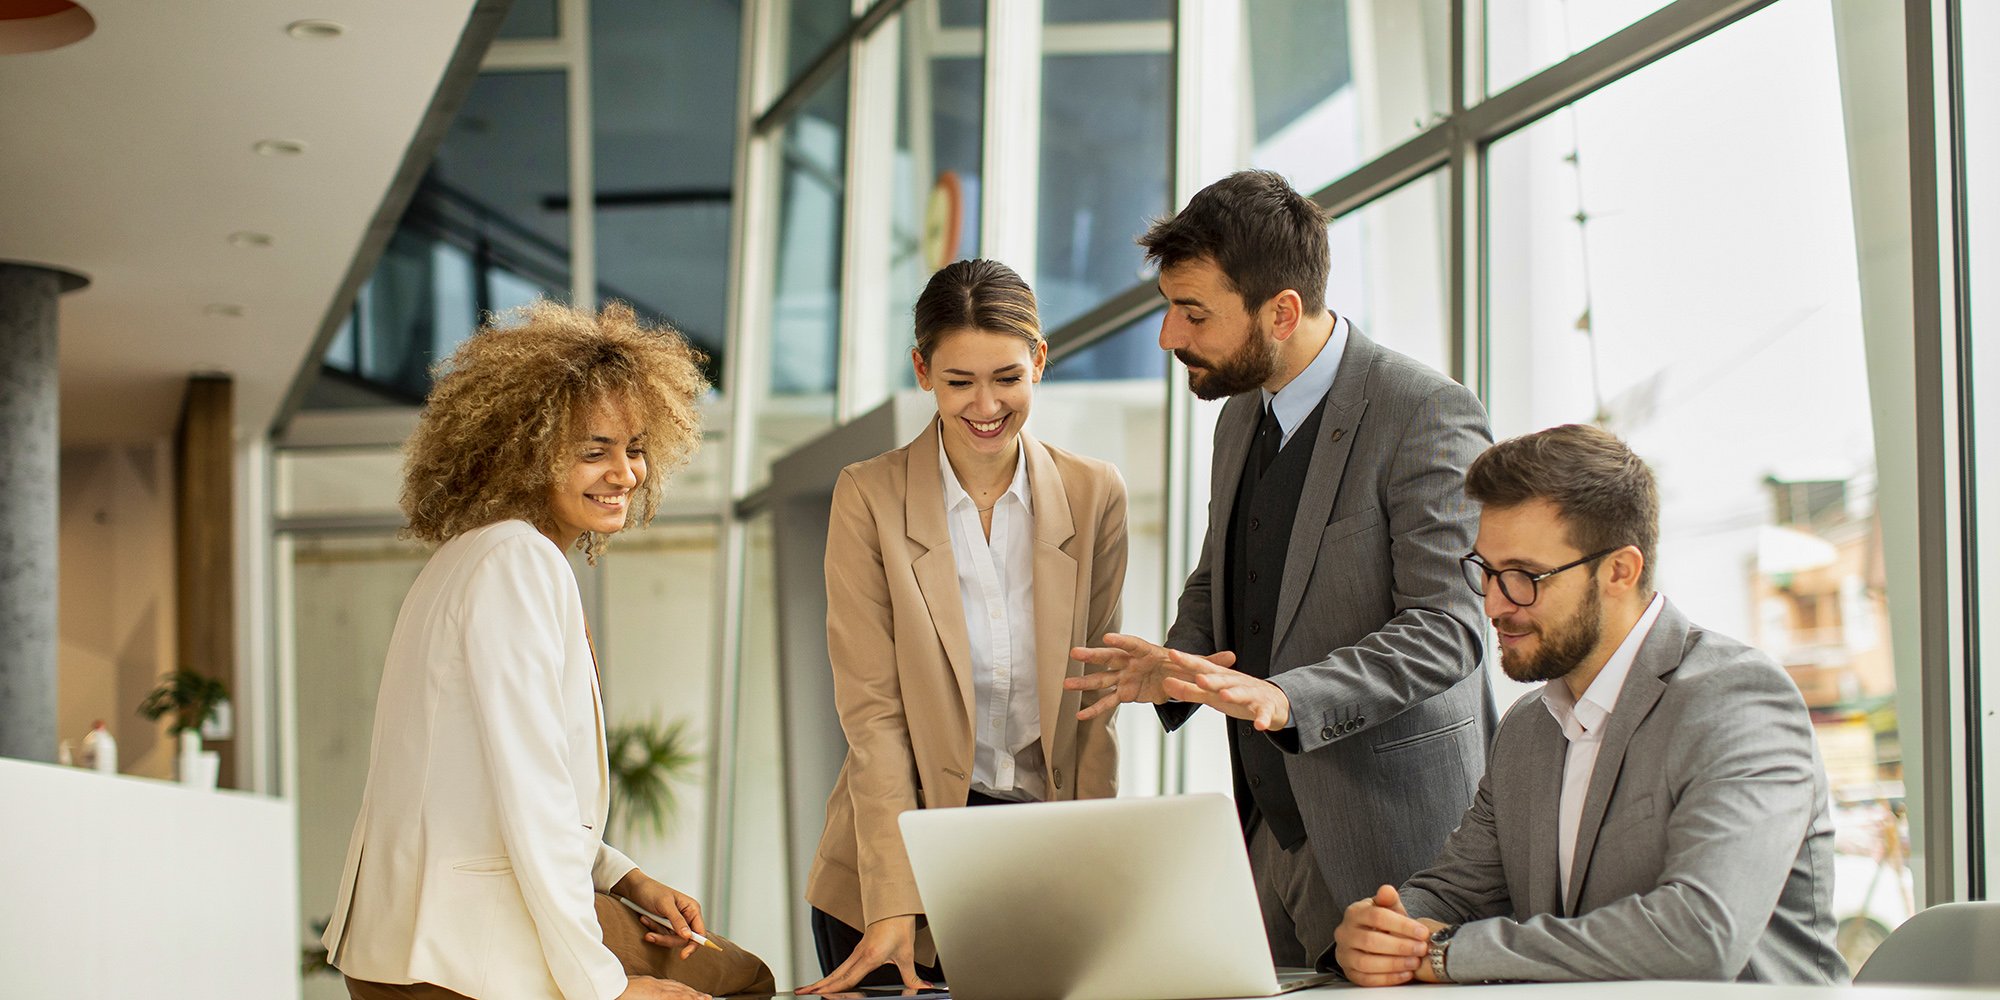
{"x":1441,"y":940}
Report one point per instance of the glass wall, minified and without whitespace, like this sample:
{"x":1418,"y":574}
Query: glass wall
{"x":1979,"y":35}
{"x":1674,"y":258}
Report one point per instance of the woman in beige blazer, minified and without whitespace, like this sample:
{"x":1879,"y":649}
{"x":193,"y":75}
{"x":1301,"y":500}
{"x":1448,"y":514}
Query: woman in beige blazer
{"x":478,"y":866}
{"x":960,"y":571}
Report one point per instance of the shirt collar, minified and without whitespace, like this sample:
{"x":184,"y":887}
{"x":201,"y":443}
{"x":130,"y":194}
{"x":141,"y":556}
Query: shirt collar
{"x":954,"y":493}
{"x":1295,"y":402}
{"x":1586,"y":715}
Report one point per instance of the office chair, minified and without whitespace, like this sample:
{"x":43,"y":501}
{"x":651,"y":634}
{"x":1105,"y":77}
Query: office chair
{"x":1950,"y":944}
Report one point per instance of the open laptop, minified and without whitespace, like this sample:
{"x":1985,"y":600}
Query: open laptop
{"x":1143,"y":897}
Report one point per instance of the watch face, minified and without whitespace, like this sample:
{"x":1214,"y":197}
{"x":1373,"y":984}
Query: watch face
{"x":1443,"y":934}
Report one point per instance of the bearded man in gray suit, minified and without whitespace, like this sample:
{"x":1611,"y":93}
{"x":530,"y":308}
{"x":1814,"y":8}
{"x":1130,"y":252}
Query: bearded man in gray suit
{"x":1325,"y":617}
{"x":1657,"y":809}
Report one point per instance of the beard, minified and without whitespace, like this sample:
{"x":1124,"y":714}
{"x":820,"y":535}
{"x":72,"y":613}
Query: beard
{"x":1560,"y":646}
{"x":1247,"y":368}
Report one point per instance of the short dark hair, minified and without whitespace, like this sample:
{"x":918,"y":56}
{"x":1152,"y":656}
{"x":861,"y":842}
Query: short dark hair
{"x":1265,"y":236}
{"x":983,"y":295}
{"x":1606,"y":494}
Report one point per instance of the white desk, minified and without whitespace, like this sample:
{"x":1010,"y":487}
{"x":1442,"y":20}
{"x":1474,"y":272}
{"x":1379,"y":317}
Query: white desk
{"x":1650,"y":990}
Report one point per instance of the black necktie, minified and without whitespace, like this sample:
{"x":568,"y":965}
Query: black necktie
{"x":1269,"y":437}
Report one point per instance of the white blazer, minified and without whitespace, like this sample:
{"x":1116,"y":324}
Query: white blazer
{"x":480,"y":840}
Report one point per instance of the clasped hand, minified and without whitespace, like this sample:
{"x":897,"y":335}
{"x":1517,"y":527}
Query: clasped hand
{"x":1378,"y":943}
{"x":1137,"y":670}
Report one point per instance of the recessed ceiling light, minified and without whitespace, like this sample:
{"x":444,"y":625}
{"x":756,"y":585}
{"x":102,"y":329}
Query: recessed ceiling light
{"x":315,"y":29}
{"x":278,"y":147}
{"x":246,"y":238}
{"x":230,"y":309}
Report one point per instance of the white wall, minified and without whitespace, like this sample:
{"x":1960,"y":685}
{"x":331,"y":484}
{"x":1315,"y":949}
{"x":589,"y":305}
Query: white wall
{"x":121,"y":886}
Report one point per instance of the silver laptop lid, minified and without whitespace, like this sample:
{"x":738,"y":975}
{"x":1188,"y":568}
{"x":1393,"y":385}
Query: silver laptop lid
{"x":1142,"y":897}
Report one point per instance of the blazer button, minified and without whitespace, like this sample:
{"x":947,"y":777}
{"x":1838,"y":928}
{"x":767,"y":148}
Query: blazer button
{"x":1255,"y":628}
{"x":1360,"y":720}
{"x":1058,"y":777}
{"x":1256,"y":781}
{"x":1326,"y":733}
{"x":1253,"y":524}
{"x":1253,"y":576}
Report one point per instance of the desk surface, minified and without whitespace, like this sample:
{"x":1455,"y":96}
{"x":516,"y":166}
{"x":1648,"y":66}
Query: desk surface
{"x":1653,"y":990}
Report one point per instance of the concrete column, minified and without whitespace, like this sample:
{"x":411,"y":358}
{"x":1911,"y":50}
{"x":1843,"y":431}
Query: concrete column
{"x":28,"y":508}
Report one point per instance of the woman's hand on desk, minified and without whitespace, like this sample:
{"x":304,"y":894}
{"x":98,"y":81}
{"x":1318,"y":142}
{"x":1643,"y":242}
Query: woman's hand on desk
{"x":648,"y":988}
{"x":888,"y":941}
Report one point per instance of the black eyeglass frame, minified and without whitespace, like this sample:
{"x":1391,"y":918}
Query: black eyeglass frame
{"x":1471,"y":561}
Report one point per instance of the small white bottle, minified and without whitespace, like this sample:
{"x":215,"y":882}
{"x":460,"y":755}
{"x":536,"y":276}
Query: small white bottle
{"x":100,"y":751}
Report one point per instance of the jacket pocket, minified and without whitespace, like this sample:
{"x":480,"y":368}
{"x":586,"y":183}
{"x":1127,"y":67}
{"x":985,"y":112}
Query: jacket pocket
{"x":485,"y":866}
{"x":1351,"y":524}
{"x":1421,"y":738}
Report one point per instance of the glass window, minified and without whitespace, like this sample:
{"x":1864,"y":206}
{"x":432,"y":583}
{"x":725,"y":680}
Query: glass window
{"x":809,"y":27}
{"x":1675,"y":259}
{"x":1388,"y":274}
{"x":530,"y":19}
{"x":663,"y":135}
{"x":760,"y":902}
{"x":1104,"y":174}
{"x":939,"y":142}
{"x":1092,"y":11}
{"x":1325,"y":91}
{"x":805,"y":309}
{"x":1108,"y":401}
{"x":655,"y":645}
{"x":1524,"y":37}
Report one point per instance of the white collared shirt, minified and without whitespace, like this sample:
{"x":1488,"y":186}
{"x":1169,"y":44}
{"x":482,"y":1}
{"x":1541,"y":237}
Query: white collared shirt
{"x":1582,"y":721}
{"x":1295,"y":402}
{"x":996,"y":588}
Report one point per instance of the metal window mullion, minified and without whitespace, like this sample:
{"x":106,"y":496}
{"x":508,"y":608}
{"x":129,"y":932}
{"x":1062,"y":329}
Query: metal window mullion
{"x":1465,"y":241}
{"x":1942,"y":556}
{"x":1011,"y":151}
{"x":752,"y":235}
{"x":582,"y":170}
{"x":801,"y":89}
{"x":870,"y":190}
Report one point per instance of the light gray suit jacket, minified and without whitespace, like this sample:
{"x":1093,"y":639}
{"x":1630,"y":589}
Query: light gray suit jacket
{"x":1705,"y":847}
{"x":1378,"y":639}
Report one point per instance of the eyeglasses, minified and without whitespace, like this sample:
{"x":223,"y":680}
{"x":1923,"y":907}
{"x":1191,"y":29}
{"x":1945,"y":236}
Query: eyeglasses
{"x":1517,"y":585}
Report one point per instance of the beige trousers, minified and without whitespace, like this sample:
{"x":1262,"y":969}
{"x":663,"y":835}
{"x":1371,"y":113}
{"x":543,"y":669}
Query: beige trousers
{"x":731,"y":970}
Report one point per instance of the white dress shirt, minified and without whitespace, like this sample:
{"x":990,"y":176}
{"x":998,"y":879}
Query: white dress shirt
{"x":996,"y":586}
{"x":1295,"y":402}
{"x":1582,"y":720}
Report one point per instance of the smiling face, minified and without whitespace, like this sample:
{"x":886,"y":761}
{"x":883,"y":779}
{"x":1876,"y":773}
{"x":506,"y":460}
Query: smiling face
{"x":1565,"y":624}
{"x":984,"y":384}
{"x":595,"y":493}
{"x":1225,"y":347}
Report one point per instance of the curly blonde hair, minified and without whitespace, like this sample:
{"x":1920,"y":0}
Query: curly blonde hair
{"x":506,"y":413}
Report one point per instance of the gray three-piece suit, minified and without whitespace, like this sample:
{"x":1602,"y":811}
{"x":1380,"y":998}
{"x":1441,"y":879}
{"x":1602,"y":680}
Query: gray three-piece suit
{"x":1374,"y":636}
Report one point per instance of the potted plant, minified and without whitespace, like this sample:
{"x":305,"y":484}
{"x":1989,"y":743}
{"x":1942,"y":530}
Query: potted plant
{"x":646,"y":759}
{"x":192,"y":698}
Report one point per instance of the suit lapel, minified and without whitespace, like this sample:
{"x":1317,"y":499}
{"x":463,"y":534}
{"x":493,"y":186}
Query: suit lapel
{"x":1234,"y":428}
{"x":1345,"y":403}
{"x":1658,"y":656}
{"x":936,"y":570}
{"x":1056,"y":607}
{"x":1544,"y":775}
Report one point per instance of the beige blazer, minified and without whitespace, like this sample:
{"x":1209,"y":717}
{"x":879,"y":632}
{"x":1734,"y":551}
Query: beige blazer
{"x":901,"y":661}
{"x":480,"y":841}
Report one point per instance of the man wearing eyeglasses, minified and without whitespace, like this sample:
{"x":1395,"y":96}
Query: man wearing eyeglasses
{"x":1656,"y":810}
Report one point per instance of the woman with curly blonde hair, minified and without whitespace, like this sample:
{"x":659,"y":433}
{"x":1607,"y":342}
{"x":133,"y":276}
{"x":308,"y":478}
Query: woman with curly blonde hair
{"x":478,"y":866}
